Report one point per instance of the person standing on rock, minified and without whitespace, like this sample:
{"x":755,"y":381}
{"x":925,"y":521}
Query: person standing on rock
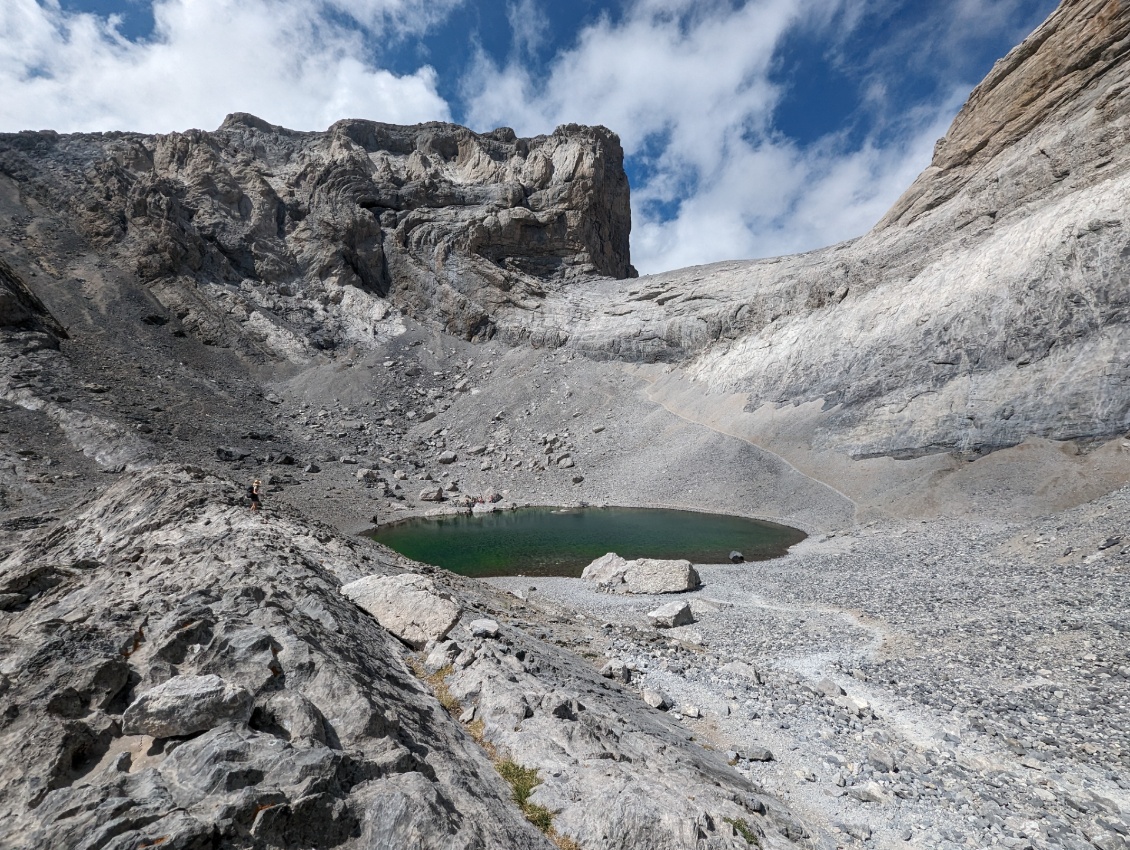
{"x":253,"y":492}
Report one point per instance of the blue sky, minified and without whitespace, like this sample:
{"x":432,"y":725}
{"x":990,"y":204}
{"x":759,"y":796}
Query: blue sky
{"x":751,"y":128}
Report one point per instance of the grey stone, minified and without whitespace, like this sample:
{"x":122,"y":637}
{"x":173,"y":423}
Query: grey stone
{"x":829,"y":688}
{"x":652,"y":575}
{"x":409,"y":606}
{"x":870,"y":792}
{"x":645,"y":575}
{"x":186,"y":704}
{"x":442,"y":655}
{"x":881,"y":759}
{"x":671,"y":615}
{"x":656,"y":699}
{"x":618,"y":670}
{"x":743,"y":669}
{"x":483,"y":628}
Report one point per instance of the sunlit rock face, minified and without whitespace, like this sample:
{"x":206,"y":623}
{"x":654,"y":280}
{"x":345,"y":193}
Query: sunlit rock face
{"x":316,"y":237}
{"x":990,"y":304}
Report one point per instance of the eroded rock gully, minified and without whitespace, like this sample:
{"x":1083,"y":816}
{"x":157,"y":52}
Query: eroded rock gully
{"x":370,"y":314}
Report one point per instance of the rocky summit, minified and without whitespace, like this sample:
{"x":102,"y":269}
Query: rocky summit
{"x":380,"y":322}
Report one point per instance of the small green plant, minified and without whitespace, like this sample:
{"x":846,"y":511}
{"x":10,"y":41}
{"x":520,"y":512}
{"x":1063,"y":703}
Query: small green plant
{"x":522,"y":780}
{"x":744,"y":830}
{"x":539,"y":816}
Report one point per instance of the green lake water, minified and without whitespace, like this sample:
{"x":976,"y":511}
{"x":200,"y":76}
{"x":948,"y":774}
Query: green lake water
{"x":563,"y":541}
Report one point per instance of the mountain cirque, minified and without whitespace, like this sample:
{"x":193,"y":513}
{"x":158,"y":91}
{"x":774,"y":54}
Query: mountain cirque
{"x":367,"y":314}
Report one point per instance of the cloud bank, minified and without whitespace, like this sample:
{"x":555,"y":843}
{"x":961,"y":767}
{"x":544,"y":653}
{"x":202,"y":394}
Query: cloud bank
{"x":689,"y":86}
{"x":300,"y":63}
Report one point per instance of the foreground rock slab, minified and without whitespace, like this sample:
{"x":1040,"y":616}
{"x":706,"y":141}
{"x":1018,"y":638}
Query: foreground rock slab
{"x":188,"y":615}
{"x":409,"y":606}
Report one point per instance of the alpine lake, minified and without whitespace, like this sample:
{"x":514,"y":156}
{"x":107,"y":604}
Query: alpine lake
{"x":548,"y":541}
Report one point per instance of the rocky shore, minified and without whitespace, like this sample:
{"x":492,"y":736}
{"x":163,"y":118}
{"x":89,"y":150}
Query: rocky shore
{"x":943,"y":684}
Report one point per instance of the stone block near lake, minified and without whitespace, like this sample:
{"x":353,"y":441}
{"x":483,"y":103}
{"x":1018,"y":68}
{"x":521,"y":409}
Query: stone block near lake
{"x":671,"y":615}
{"x":644,"y":575}
{"x":607,"y":571}
{"x":652,"y":575}
{"x":409,"y":606}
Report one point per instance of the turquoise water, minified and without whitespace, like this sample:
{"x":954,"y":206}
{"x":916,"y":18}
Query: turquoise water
{"x":563,"y":541}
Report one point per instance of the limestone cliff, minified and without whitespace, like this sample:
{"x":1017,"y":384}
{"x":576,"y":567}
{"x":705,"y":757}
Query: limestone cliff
{"x":302,"y":241}
{"x":991,"y":304}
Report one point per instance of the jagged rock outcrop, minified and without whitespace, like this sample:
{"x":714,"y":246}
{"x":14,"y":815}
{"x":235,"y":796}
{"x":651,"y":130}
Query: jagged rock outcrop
{"x":21,"y":310}
{"x":295,"y":242}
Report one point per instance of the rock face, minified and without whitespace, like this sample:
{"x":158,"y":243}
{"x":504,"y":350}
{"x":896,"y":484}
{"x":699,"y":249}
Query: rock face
{"x":409,"y":606}
{"x":292,"y":242}
{"x":988,"y":306}
{"x":21,"y":310}
{"x":163,"y":607}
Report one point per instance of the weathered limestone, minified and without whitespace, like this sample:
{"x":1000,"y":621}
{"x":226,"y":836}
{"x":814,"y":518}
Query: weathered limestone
{"x":985,"y":308}
{"x":349,"y":226}
{"x":294,"y":710}
{"x":410,"y":606}
{"x":184,"y":705}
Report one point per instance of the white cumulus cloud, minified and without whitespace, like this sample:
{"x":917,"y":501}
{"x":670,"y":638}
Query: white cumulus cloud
{"x":287,"y":61}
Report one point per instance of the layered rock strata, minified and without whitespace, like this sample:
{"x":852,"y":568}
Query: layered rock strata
{"x":989,"y":305}
{"x":292,"y":242}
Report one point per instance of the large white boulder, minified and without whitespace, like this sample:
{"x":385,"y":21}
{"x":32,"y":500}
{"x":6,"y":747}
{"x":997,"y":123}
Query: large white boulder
{"x":607,"y":570}
{"x":408,"y":605}
{"x":644,"y":575}
{"x":651,"y":575}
